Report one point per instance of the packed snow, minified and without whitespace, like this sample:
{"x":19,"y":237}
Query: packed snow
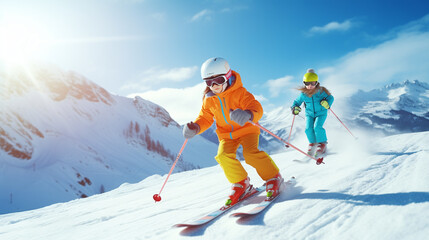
{"x":370,"y":188}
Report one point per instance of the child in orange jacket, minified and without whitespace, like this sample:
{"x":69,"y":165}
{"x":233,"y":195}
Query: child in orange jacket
{"x":228,"y":103}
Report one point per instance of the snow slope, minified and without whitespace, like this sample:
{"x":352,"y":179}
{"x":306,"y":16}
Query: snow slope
{"x":371,"y":188}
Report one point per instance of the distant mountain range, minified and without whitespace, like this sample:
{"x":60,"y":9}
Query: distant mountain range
{"x":396,"y":108}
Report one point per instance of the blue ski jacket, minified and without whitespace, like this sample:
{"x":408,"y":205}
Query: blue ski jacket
{"x":312,"y":104}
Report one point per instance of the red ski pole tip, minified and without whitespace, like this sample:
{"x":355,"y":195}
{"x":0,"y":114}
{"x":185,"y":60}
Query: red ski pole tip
{"x":157,"y":197}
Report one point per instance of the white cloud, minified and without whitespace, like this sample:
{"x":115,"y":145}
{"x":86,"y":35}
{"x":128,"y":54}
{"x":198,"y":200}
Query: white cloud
{"x":183,"y":104}
{"x":159,"y":16}
{"x":399,"y":59}
{"x":277,"y":86}
{"x":157,"y":76}
{"x":202,"y":14}
{"x":420,"y":25}
{"x":332,"y":26}
{"x":176,"y":74}
{"x":260,"y":98}
{"x":207,"y":14}
{"x":134,"y":86}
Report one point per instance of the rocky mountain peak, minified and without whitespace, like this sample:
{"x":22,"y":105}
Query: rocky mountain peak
{"x":53,"y":82}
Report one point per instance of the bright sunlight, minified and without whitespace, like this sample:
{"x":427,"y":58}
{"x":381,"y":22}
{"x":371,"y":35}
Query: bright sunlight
{"x":21,"y":41}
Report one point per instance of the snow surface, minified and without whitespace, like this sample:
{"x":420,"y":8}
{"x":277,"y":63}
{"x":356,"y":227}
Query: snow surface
{"x":371,"y":188}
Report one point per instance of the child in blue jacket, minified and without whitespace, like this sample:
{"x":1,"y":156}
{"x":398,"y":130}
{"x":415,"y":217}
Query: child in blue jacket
{"x":317,"y":100}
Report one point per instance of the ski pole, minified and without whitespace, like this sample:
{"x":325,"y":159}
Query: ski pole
{"x":157,"y":197}
{"x":342,"y":123}
{"x":318,"y":160}
{"x":290,"y":133}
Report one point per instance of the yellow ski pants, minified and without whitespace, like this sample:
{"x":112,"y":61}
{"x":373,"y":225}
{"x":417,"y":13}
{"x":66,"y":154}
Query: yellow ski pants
{"x":260,"y":160}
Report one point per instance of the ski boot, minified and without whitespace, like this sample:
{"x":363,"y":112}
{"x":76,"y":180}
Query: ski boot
{"x":239,"y":190}
{"x":311,"y":148}
{"x":321,"y":149}
{"x":272,"y":185}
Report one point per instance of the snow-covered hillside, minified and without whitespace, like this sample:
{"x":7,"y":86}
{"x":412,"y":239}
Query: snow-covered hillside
{"x":368,"y":189}
{"x":63,"y":137}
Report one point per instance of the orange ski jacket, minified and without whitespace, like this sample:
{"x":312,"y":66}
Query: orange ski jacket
{"x":216,"y":107}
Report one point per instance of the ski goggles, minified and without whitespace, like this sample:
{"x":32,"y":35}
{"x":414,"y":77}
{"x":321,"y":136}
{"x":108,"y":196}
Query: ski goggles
{"x":218,"y":80}
{"x":310,"y":83}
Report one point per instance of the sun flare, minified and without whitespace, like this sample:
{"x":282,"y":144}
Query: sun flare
{"x":21,"y":41}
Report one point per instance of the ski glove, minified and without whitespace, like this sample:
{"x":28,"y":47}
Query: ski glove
{"x":241,"y":116}
{"x":296,"y":110}
{"x":324,"y":104}
{"x":190,"y":130}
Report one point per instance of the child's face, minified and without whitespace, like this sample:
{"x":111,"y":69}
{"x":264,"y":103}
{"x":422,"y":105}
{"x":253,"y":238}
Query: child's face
{"x":216,"y":88}
{"x":310,"y":85}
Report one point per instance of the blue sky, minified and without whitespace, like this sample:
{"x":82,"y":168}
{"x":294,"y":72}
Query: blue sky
{"x":155,"y":48}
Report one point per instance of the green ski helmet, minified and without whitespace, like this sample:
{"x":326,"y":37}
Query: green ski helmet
{"x":310,"y":76}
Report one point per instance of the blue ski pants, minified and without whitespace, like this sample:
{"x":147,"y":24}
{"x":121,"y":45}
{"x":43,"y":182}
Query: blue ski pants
{"x":314,"y":129}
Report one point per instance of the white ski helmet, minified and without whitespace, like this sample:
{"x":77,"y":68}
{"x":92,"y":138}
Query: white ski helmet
{"x":215,"y":66}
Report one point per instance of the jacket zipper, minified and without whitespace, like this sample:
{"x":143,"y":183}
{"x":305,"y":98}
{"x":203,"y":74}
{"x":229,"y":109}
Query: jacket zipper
{"x":223,"y":109}
{"x":314,"y":109}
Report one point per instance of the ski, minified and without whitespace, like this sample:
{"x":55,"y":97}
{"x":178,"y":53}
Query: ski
{"x":303,"y":160}
{"x":320,"y":155}
{"x":264,"y":204}
{"x":215,"y":214}
{"x":307,"y":160}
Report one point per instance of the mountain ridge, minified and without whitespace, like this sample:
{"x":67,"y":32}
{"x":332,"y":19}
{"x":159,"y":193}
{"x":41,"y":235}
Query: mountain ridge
{"x":395,"y":108}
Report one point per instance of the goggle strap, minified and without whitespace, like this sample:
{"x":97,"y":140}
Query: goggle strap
{"x":228,"y":74}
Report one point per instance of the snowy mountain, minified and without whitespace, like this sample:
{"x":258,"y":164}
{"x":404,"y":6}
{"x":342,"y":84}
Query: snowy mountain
{"x":64,"y":137}
{"x":372,"y":188}
{"x":396,"y":108}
